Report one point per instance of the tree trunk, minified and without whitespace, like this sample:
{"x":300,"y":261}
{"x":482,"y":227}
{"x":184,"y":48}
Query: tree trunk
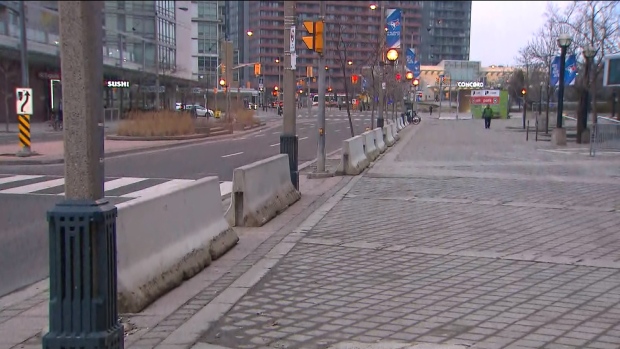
{"x":374,"y":106}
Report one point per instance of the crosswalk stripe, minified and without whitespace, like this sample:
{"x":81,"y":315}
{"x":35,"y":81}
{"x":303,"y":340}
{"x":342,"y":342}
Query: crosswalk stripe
{"x":17,"y":178}
{"x":157,"y":189}
{"x":25,"y":189}
{"x":225,"y":188}
{"x":118,"y":183}
{"x":109,"y":185}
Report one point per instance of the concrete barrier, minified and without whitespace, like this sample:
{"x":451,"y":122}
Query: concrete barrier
{"x":369,"y":145}
{"x":260,"y":191}
{"x":379,"y":139}
{"x":354,"y":159}
{"x":388,"y":138}
{"x":399,"y":124}
{"x":165,"y":239}
{"x":395,"y":132}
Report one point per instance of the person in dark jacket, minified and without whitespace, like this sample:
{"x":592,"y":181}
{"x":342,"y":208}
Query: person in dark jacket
{"x":487,"y":115}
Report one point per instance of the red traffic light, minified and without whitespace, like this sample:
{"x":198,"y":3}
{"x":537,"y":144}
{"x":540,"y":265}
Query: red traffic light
{"x":523,"y":92}
{"x":398,"y":76}
{"x":354,"y":79}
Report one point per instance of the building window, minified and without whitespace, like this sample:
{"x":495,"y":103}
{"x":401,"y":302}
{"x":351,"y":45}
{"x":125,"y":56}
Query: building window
{"x":207,"y":64}
{"x":207,"y":10}
{"x":207,"y":37}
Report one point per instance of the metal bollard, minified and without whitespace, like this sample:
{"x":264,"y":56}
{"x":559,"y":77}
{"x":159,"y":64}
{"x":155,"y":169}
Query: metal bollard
{"x":527,"y":131}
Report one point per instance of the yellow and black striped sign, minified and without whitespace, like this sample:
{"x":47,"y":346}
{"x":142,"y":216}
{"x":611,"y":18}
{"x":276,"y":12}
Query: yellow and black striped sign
{"x":23,"y":123}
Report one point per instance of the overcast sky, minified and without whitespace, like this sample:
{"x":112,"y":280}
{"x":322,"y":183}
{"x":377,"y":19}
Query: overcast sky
{"x":500,"y":28}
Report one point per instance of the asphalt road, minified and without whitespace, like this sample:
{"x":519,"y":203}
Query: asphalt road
{"x":23,"y":225}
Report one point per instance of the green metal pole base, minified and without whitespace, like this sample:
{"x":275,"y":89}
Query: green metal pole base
{"x":290,"y":145}
{"x":83,"y":286}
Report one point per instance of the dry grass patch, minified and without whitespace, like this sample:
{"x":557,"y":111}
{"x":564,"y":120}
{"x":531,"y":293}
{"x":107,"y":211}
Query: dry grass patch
{"x":157,"y":124}
{"x":246,"y":117}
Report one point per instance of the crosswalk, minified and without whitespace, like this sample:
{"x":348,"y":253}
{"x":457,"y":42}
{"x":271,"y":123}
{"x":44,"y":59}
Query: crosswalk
{"x":123,"y":187}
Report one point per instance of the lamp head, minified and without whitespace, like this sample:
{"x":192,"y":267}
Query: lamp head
{"x":222,"y":82}
{"x":589,"y":52}
{"x":373,"y":6}
{"x":564,"y":40}
{"x":409,"y":75}
{"x":392,"y":55}
{"x":250,"y":33}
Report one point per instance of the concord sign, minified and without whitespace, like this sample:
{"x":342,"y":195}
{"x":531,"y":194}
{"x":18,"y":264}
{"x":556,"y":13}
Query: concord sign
{"x":470,"y":84}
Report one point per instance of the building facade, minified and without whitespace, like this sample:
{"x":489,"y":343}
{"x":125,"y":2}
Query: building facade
{"x":360,"y":27}
{"x":446,"y":30}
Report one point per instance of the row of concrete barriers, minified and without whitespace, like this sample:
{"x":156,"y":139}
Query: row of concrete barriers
{"x":359,"y":151}
{"x":165,"y":239}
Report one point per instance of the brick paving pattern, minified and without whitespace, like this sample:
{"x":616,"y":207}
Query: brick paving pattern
{"x":485,"y":262}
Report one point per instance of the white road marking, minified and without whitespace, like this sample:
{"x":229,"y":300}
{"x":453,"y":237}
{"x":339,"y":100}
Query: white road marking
{"x":17,"y":178}
{"x":302,"y":138}
{"x":273,"y":145}
{"x":157,"y":189}
{"x":336,"y":130}
{"x":225,"y":188}
{"x":118,"y":183}
{"x":259,"y":135}
{"x":35,"y":187}
{"x":233,"y":154}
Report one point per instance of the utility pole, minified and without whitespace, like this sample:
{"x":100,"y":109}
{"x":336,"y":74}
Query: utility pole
{"x":157,"y":101}
{"x":288,"y":138}
{"x":380,"y":120}
{"x":23,"y":48}
{"x":83,"y":307}
{"x":320,"y":163}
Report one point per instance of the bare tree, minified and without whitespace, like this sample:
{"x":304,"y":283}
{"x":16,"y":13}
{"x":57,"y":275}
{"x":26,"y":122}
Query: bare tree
{"x":374,"y":65}
{"x":595,"y":24}
{"x":342,"y":60}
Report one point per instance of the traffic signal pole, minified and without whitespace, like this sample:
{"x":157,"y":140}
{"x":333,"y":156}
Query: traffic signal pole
{"x":288,"y":138}
{"x":320,"y":163}
{"x":380,"y":120}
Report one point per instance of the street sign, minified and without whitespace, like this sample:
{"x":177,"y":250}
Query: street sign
{"x":292,"y":46}
{"x":293,"y":60}
{"x":611,"y":71}
{"x":23,"y":102}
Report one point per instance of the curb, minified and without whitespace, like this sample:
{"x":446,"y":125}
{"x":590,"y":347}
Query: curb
{"x":175,"y":138}
{"x":58,"y":160}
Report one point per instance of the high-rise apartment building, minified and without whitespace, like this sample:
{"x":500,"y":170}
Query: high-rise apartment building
{"x":358,"y":26}
{"x":446,"y":30}
{"x":208,"y":32}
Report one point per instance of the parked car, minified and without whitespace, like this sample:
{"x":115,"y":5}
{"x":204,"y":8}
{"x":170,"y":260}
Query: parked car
{"x":199,"y":110}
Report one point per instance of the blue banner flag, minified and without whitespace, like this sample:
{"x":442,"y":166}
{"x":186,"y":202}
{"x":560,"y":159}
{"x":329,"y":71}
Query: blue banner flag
{"x":570,"y":74}
{"x":393,"y":25}
{"x":410,"y":59}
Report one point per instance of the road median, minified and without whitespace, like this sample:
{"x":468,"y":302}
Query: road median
{"x":52,"y":152}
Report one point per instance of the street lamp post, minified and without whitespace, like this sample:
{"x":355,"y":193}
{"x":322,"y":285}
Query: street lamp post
{"x":278,"y":60}
{"x":559,"y":133}
{"x":583,"y":133}
{"x":83,"y":309}
{"x":224,"y":85}
{"x":373,"y":6}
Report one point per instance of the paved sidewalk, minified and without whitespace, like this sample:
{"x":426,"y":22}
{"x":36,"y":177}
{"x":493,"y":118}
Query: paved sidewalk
{"x":460,"y":235}
{"x":457,"y":236}
{"x":24,"y":314}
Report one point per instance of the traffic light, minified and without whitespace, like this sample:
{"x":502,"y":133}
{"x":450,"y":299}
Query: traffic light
{"x":354,"y":79}
{"x":329,"y":89}
{"x":398,"y":76}
{"x":416,"y":82}
{"x":274,"y":93}
{"x":275,"y":88}
{"x":257,"y":69}
{"x":314,"y":42}
{"x":523,"y":91}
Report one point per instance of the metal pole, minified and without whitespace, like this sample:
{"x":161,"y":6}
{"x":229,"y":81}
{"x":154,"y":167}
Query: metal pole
{"x":288,"y":139}
{"x":614,"y":100}
{"x":83,"y":305}
{"x":440,"y":96}
{"x":380,"y":120}
{"x":156,"y":61}
{"x":320,"y":163}
{"x":561,"y":87}
{"x":309,"y":97}
{"x":23,"y":46}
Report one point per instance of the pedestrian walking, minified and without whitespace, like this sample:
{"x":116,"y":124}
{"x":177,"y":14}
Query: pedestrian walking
{"x":487,"y":115}
{"x":430,"y":109}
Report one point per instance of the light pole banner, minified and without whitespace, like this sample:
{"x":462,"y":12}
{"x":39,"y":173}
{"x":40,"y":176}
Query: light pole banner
{"x":413,"y":65}
{"x":570,"y":74}
{"x":410,"y":59}
{"x":393,"y":25}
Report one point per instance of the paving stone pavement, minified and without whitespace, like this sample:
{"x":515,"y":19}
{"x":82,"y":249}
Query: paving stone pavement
{"x":459,"y":235}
